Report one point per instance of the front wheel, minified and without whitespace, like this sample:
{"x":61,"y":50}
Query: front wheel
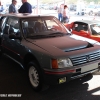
{"x":35,"y":77}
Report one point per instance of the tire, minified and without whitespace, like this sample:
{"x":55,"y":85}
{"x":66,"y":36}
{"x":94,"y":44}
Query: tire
{"x":35,"y":76}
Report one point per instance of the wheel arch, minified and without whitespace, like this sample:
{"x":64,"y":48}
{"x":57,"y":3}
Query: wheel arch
{"x":30,"y":57}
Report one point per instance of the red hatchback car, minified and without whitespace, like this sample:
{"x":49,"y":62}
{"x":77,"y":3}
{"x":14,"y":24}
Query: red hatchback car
{"x":86,"y":28}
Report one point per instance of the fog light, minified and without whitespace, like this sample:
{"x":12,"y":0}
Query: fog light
{"x":62,"y":80}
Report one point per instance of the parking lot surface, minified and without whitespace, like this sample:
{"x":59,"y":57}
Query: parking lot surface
{"x":15,"y":86}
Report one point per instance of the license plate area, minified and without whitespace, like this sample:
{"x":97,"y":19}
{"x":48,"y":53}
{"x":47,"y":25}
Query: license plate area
{"x":89,"y":67}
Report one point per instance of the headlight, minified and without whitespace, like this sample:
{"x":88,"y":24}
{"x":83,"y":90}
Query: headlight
{"x":64,"y":63}
{"x":61,"y":63}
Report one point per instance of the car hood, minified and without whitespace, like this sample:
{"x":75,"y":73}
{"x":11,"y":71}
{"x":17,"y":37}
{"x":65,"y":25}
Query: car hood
{"x":85,"y":39}
{"x":59,"y":45}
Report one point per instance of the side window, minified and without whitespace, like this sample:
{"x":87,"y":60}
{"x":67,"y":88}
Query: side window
{"x":2,"y":21}
{"x":12,"y":26}
{"x":75,"y":27}
{"x":52,"y":25}
{"x":32,"y":27}
{"x":80,"y":27}
{"x":94,"y":29}
{"x":85,"y":27}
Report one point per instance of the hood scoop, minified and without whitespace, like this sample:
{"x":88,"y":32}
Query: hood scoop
{"x":73,"y":49}
{"x":81,"y":47}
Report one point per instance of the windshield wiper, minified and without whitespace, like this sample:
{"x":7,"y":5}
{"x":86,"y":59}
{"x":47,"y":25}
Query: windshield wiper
{"x":37,"y":36}
{"x":56,"y":33}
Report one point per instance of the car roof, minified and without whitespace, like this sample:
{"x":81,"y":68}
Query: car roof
{"x":25,"y":15}
{"x":87,"y":21}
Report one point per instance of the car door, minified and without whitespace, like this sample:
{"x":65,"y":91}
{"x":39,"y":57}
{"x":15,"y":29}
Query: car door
{"x":12,"y":47}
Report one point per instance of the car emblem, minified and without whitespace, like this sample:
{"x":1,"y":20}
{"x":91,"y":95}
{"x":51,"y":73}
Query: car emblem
{"x":88,"y":58}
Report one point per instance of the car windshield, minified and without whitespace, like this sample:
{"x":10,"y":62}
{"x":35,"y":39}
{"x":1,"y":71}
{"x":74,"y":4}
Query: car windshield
{"x":95,"y":29}
{"x":41,"y":27}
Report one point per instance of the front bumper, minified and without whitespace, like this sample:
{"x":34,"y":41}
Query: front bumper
{"x":58,"y":77}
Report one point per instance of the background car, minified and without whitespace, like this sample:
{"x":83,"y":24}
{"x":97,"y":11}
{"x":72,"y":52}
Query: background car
{"x":72,"y":7}
{"x":98,"y":13}
{"x":86,"y":28}
{"x":92,"y":9}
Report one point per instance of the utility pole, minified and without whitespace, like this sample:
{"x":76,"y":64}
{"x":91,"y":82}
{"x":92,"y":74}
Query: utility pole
{"x":37,"y":6}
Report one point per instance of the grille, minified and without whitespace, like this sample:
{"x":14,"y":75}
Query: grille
{"x":85,"y":58}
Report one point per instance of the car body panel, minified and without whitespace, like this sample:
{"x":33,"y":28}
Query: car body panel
{"x":23,"y":43}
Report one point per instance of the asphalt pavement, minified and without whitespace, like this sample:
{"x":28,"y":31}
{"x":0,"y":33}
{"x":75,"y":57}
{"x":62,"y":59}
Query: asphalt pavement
{"x":14,"y":85}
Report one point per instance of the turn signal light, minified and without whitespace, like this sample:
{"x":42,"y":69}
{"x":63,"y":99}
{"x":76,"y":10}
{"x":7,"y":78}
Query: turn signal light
{"x":54,"y":64}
